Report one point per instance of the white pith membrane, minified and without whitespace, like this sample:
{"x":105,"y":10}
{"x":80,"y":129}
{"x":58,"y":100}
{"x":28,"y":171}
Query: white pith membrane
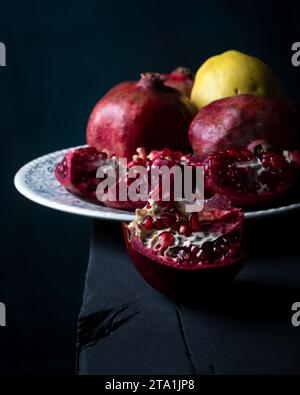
{"x":221,"y":223}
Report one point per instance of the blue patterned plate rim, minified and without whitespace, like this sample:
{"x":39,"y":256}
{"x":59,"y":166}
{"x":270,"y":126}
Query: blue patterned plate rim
{"x":36,"y":181}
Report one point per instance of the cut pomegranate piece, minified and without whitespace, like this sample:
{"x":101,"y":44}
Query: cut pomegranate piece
{"x":176,"y":259}
{"x":77,"y":172}
{"x":250,"y":178}
{"x":165,"y":157}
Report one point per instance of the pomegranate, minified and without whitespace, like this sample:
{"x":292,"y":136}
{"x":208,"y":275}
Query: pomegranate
{"x":77,"y":172}
{"x":178,"y":252}
{"x":146,"y":114}
{"x":165,"y":157}
{"x":181,"y":78}
{"x":250,"y":178}
{"x":237,"y":121}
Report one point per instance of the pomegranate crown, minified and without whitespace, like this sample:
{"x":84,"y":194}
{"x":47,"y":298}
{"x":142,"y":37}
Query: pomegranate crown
{"x":183,"y":72}
{"x":151,"y":80}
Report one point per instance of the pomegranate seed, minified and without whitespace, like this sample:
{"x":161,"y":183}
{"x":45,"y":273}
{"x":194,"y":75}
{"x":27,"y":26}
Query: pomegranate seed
{"x":147,"y":223}
{"x":194,"y":222}
{"x":265,"y":163}
{"x":139,"y":162}
{"x":165,"y":239}
{"x":167,"y":152}
{"x":230,"y":153}
{"x":194,"y":250}
{"x":185,"y":230}
{"x":167,"y":220}
{"x":158,"y":225}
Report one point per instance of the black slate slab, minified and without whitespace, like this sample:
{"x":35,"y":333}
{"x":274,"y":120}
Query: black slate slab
{"x":126,"y":327}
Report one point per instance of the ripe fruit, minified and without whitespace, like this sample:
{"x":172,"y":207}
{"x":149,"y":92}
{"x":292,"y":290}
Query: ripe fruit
{"x":232,"y":73}
{"x":165,"y":157}
{"x":250,"y":179}
{"x":146,"y":114}
{"x":174,"y":262}
{"x":236,"y":122}
{"x":181,"y":78}
{"x":77,"y":172}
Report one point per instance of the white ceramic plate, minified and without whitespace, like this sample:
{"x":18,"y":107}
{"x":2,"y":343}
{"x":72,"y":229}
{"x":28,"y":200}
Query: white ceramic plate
{"x":36,"y":181}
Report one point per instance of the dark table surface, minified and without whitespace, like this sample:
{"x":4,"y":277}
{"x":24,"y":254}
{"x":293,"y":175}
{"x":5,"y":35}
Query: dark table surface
{"x":126,"y":327}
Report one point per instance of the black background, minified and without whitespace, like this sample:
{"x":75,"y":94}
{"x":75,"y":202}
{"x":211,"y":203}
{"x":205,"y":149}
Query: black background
{"x":61,"y":58}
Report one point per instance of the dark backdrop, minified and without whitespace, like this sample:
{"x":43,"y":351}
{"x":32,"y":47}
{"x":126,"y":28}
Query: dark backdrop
{"x":61,"y":57}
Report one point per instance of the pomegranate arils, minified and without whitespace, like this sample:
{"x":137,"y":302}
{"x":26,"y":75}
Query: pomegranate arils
{"x":195,"y":250}
{"x":248,"y":179}
{"x":194,"y":222}
{"x":167,"y":220}
{"x":61,"y":168}
{"x":171,"y":261}
{"x":77,"y":171}
{"x":139,"y":162}
{"x":158,"y":225}
{"x":165,"y":239}
{"x":185,"y":230}
{"x":148,"y":223}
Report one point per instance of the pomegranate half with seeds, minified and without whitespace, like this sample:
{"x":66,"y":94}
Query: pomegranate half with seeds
{"x":249,"y":178}
{"x":179,"y":252}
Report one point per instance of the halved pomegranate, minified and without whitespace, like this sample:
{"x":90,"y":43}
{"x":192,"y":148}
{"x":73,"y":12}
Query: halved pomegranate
{"x":178,"y":252}
{"x":249,"y":178}
{"x":77,"y":172}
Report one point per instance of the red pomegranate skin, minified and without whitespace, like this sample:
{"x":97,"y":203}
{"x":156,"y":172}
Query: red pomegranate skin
{"x":174,"y":282}
{"x":237,"y":121}
{"x":141,"y":114}
{"x":181,"y":78}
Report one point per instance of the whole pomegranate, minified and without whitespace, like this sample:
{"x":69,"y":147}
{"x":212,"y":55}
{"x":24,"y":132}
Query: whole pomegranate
{"x":181,"y":78}
{"x":237,"y":121}
{"x":179,"y":252}
{"x":146,"y":114}
{"x":249,"y":178}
